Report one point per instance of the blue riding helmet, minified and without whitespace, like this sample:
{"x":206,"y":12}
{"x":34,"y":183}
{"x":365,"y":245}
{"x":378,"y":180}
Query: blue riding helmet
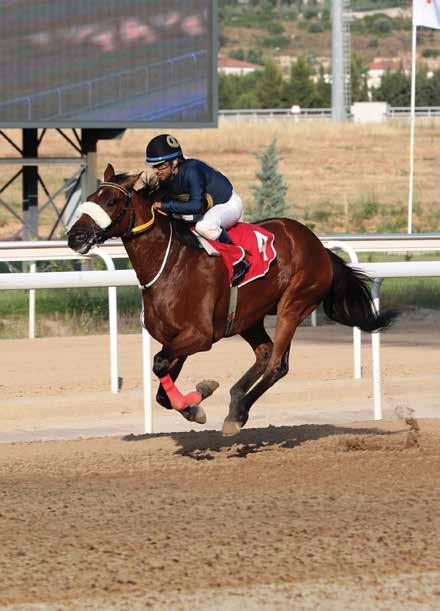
{"x":162,"y":148}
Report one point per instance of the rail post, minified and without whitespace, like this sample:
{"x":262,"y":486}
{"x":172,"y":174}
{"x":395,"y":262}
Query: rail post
{"x":33,"y":269}
{"x":375,"y":350}
{"x":146,"y":373}
{"x":112,"y":321}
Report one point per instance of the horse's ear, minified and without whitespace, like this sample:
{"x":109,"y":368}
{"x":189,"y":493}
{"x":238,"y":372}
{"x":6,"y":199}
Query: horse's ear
{"x":130,"y":181}
{"x":109,"y":172}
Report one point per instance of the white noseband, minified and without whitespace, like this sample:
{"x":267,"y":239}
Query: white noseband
{"x":100,"y":216}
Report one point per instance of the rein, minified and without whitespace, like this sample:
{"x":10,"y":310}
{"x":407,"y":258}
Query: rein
{"x":167,"y":252}
{"x":134,"y":232}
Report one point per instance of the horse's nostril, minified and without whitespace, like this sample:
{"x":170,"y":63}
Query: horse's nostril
{"x":79,"y":237}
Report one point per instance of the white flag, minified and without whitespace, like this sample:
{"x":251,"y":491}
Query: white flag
{"x":426,"y":13}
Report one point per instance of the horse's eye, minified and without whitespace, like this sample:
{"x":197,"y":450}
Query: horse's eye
{"x":112,"y":202}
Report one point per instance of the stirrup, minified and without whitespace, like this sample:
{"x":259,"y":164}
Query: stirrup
{"x":239,"y":270}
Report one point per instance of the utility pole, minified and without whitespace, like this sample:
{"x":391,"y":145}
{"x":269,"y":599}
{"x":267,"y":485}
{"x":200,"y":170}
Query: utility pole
{"x":341,"y":60}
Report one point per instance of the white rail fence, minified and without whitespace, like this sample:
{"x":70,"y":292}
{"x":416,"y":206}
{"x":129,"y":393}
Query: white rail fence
{"x":296,"y":113}
{"x":32,"y":252}
{"x":58,"y":250}
{"x":354,"y":244}
{"x":114,"y":278}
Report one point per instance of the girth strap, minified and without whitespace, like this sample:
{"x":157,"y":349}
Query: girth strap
{"x":233,"y":298}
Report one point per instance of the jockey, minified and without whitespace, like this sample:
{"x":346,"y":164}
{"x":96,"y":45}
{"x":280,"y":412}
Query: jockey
{"x":196,"y":193}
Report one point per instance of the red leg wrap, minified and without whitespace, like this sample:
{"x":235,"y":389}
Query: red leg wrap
{"x":178,"y":401}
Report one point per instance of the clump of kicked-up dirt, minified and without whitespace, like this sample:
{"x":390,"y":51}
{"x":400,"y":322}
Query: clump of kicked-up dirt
{"x":383,"y":441}
{"x":407,"y":414}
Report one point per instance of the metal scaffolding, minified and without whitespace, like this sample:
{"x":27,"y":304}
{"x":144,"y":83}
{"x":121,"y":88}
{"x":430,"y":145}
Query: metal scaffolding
{"x":75,"y":182}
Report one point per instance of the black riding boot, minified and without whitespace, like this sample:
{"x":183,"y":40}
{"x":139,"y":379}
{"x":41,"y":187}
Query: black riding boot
{"x":224,"y":237}
{"x":240,"y":268}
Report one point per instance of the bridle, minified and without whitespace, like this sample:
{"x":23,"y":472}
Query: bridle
{"x":103,"y":234}
{"x":132,"y":231}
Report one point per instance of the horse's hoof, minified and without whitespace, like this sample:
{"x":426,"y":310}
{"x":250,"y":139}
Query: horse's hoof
{"x":207,"y":387}
{"x":231,"y":427}
{"x":194,"y":413}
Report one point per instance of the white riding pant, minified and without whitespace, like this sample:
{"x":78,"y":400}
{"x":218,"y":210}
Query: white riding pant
{"x":221,"y":216}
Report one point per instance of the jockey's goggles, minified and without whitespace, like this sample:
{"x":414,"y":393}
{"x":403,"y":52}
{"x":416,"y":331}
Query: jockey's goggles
{"x":155,"y":162}
{"x":159,"y":165}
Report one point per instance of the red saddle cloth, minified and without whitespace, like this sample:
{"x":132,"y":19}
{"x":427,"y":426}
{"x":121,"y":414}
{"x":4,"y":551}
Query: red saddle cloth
{"x":259,"y":246}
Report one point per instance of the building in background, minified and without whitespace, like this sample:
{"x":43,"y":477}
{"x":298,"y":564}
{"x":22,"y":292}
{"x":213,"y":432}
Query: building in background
{"x":229,"y":65}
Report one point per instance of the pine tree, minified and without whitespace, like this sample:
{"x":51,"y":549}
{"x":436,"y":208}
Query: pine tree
{"x":394,"y":88}
{"x":269,"y":86}
{"x":323,"y":90}
{"x":270,"y":195}
{"x":359,"y":75}
{"x":301,"y":85}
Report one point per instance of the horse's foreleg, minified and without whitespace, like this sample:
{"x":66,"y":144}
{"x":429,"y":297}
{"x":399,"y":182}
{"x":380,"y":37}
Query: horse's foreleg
{"x":164,"y":367}
{"x":167,"y":365}
{"x":174,"y":371}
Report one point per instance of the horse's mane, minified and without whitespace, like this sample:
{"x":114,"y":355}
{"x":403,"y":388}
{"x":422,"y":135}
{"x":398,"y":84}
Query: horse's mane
{"x":181,"y":228}
{"x":120,"y":177}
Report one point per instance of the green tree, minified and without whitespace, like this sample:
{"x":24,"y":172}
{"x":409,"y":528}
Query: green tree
{"x":323,"y":88}
{"x":426,"y":88}
{"x":238,"y":91}
{"x":237,"y":54}
{"x":394,"y":88}
{"x":270,"y":194}
{"x":227,"y":92}
{"x":269,"y":86}
{"x":300,"y":87}
{"x":434,"y":89}
{"x":248,"y":99}
{"x":254,"y":56}
{"x":359,"y":75}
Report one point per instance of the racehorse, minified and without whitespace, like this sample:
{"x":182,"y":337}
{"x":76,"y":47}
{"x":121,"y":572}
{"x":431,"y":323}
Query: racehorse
{"x":186,"y":293}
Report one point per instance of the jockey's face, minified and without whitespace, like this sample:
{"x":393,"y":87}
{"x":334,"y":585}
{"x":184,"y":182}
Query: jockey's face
{"x":163,"y":171}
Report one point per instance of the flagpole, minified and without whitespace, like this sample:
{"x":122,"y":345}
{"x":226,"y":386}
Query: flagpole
{"x":412,"y":125}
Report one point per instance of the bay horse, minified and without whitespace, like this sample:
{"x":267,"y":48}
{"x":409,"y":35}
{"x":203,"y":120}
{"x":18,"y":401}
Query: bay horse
{"x":186,"y":292}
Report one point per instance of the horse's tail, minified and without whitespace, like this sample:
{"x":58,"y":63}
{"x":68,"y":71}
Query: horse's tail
{"x":349,"y":301}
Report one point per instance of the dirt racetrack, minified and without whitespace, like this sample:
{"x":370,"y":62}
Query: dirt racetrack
{"x":313,"y":505}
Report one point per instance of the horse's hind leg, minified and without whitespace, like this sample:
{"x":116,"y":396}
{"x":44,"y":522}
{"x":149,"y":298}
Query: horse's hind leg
{"x":262,"y":345}
{"x":289,"y":316}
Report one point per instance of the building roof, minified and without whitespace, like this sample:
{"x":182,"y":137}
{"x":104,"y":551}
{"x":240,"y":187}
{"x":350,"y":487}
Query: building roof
{"x":230,"y":62}
{"x":384,"y":63}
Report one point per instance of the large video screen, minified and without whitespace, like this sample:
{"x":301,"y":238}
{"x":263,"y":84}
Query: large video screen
{"x":107,"y":63}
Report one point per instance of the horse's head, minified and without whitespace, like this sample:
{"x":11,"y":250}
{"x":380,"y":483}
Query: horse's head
{"x":108,"y":213}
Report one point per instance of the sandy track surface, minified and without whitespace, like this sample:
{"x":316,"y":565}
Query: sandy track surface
{"x":333,"y":516}
{"x":305,"y":509}
{"x":59,"y":387}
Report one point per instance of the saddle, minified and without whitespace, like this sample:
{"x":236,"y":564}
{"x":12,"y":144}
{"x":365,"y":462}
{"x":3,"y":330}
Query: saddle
{"x":249,"y":242}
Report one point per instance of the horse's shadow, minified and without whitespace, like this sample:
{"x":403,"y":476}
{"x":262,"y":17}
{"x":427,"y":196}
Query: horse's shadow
{"x":204,"y":445}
